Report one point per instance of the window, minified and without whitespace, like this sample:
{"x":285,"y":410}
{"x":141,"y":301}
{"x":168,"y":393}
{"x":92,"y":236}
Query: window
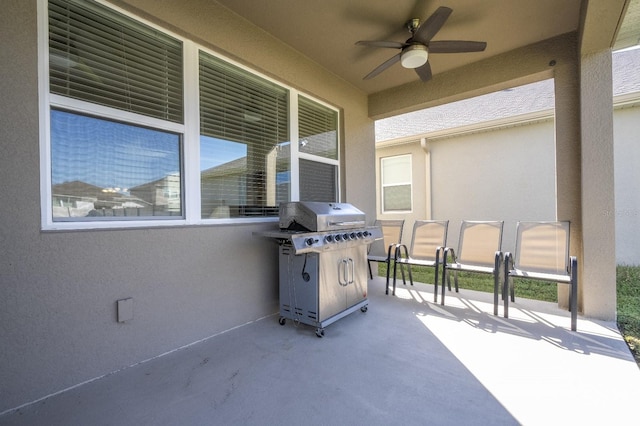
{"x":103,"y":57}
{"x":119,"y":149}
{"x":119,"y":168}
{"x":396,"y":184}
{"x":318,"y":145}
{"x":243,"y":134}
{"x":104,"y":169}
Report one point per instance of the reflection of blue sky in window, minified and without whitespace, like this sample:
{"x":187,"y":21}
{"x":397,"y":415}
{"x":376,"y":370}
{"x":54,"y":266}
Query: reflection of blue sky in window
{"x":109,"y":154}
{"x":214,"y":152}
{"x":283,"y":177}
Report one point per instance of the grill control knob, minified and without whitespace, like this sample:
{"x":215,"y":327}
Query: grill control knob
{"x":366,"y":234}
{"x":329,"y":238}
{"x":359,"y":234}
{"x":309,"y":241}
{"x":352,"y":235}
{"x":345,"y":237}
{"x":338,"y":237}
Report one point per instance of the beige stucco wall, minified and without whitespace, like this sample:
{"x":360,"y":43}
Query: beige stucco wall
{"x":58,"y":289}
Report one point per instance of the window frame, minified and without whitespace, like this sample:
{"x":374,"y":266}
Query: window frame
{"x":189,"y":129}
{"x":383,"y":186}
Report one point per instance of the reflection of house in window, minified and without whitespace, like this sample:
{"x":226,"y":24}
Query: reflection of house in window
{"x":74,"y":199}
{"x":162,"y":195}
{"x":80,"y":199}
{"x":236,"y":188}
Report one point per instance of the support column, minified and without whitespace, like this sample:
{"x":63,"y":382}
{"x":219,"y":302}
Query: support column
{"x":598,"y":200}
{"x":568,"y":159}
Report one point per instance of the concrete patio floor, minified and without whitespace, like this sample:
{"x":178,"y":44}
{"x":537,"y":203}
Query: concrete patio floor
{"x":405,"y":361}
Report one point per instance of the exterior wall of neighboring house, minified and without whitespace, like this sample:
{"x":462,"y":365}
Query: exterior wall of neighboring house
{"x":487,"y":175}
{"x":626,"y":128}
{"x":507,"y":173}
{"x":420,"y":185}
{"x":58,"y":290}
{"x":497,"y":175}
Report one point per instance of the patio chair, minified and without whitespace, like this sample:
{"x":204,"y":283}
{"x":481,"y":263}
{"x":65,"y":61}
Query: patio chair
{"x":542,"y":253}
{"x":428,"y":242}
{"x":479,"y":250}
{"x":381,"y":250}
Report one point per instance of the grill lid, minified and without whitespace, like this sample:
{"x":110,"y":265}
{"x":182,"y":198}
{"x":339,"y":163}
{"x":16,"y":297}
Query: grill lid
{"x":319,"y":216}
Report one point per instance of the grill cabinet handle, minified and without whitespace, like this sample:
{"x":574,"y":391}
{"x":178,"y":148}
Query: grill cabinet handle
{"x":352,"y":270}
{"x":343,"y":273}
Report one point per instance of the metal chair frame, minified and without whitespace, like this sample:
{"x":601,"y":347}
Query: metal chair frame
{"x":428,"y":242}
{"x":392,"y":236}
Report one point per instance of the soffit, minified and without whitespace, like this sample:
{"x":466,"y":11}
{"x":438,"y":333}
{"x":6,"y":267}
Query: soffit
{"x":326,"y":31}
{"x":629,"y":33}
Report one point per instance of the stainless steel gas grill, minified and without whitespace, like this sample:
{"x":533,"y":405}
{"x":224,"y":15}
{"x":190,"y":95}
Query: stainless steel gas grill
{"x":322,"y":261}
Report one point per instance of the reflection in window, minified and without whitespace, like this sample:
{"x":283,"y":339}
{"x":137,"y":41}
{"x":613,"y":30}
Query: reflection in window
{"x":103,"y":169}
{"x":244,"y":142}
{"x":318,"y":132}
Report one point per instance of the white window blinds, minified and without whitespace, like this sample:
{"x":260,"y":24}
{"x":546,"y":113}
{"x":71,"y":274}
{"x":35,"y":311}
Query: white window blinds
{"x":318,"y":133}
{"x":100,"y":56}
{"x":244,"y":142}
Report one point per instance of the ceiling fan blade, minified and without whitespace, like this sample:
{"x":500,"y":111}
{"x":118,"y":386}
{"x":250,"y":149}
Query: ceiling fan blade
{"x":383,"y":66}
{"x":456,"y":46}
{"x":424,"y":72}
{"x":389,"y":44}
{"x":431,"y":26}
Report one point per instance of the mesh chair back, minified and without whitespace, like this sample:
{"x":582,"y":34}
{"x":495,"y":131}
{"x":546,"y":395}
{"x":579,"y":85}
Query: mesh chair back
{"x":479,"y":242}
{"x":428,"y":235}
{"x":391,"y":234}
{"x":542,"y":247}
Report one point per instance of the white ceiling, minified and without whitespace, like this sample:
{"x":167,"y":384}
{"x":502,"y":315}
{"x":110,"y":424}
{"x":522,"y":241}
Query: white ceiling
{"x":326,"y":31}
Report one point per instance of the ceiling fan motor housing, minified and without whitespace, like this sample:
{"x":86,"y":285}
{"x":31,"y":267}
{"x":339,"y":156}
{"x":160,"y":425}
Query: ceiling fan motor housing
{"x":414,"y":56}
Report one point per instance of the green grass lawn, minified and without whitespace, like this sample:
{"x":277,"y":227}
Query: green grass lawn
{"x":529,"y":289}
{"x":628,"y":289}
{"x":628,"y":295}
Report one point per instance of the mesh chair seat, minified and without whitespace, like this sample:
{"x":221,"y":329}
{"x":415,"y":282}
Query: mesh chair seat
{"x":471,"y":268}
{"x":517,"y":273}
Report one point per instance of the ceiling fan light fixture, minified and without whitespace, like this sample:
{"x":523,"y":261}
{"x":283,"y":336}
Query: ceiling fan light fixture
{"x":414,"y":56}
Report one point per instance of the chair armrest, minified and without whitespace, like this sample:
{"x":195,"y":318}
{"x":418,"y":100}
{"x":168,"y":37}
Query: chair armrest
{"x":508,"y":262}
{"x":448,"y":251}
{"x":498,"y":261}
{"x":398,"y":252}
{"x":395,"y":248}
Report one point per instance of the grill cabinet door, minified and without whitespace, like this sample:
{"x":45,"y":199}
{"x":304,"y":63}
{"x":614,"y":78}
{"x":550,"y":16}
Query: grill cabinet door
{"x":332,"y":283}
{"x":357,"y":290}
{"x":343,"y":280}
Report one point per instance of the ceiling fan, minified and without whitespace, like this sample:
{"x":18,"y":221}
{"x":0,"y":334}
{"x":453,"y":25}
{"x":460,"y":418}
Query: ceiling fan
{"x":415,"y":51}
